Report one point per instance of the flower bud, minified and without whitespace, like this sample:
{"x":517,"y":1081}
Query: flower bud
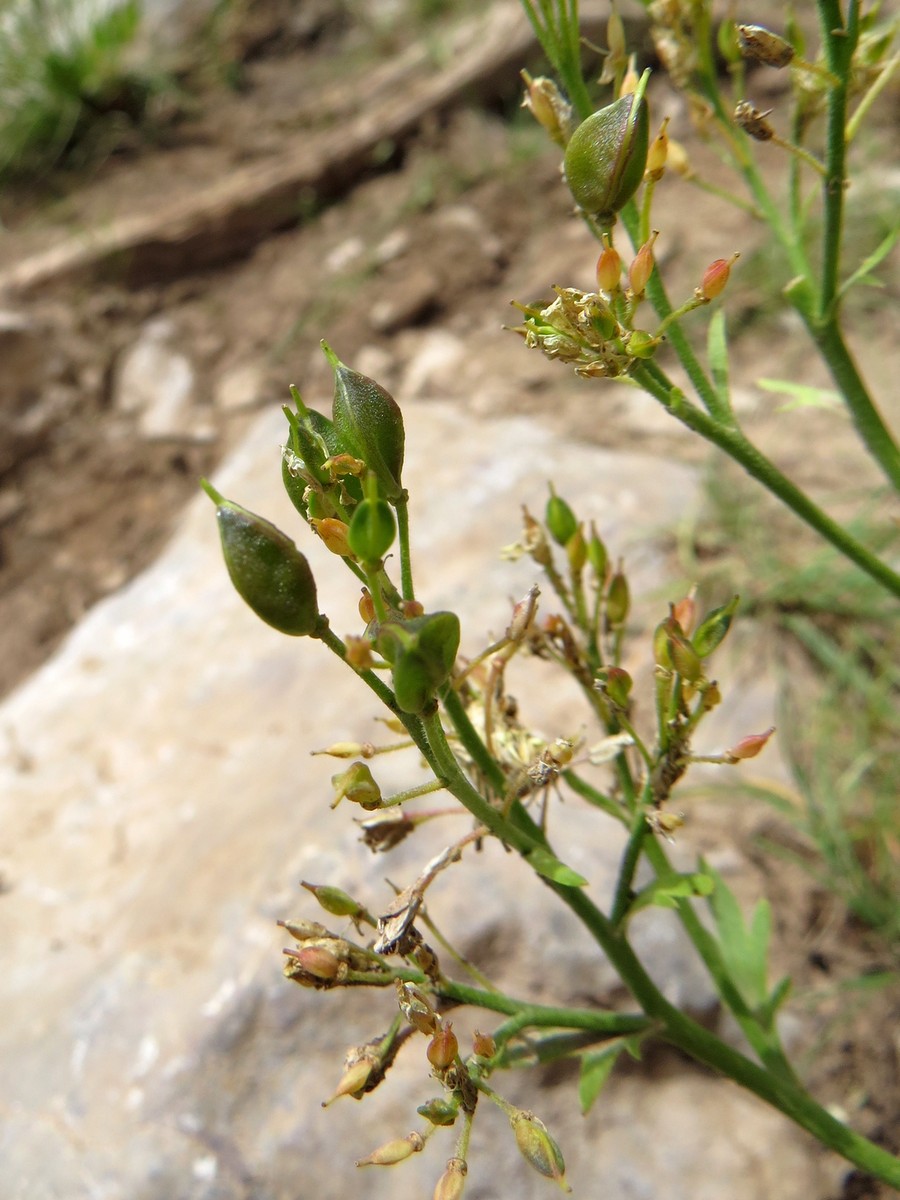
{"x":715,"y":277}
{"x":367,"y":606}
{"x":439,"y":1112}
{"x":538,"y":1147}
{"x":606,"y":156}
{"x":597,"y":555}
{"x":609,"y":269}
{"x":268,"y":571}
{"x":334,"y":534}
{"x":642,"y":266}
{"x":685,"y":659}
{"x":658,"y":153}
{"x":713,"y":628}
{"x":443,"y":1049}
{"x":317,"y":961}
{"x":544,"y":101}
{"x":394,"y":1151}
{"x":749,"y":746}
{"x":559,"y":519}
{"x":483,"y":1045}
{"x":618,"y":600}
{"x":576,"y":552}
{"x":685,"y":611}
{"x":358,"y":785}
{"x":334,"y":900}
{"x":617,"y":684}
{"x":762,"y":46}
{"x":358,"y":653}
{"x":369,"y":424}
{"x":412,"y":608}
{"x":346,"y":750}
{"x":451,"y":1183}
{"x":372,"y":530}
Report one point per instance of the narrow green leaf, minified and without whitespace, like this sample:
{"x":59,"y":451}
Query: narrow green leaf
{"x":717,"y":353}
{"x":801,"y":394}
{"x":596,"y":1067}
{"x":551,"y":868}
{"x":666,"y":890}
{"x":881,"y":251}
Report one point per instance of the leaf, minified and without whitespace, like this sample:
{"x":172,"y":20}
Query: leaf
{"x":744,"y":948}
{"x":666,"y":890}
{"x":881,"y":251}
{"x":717,"y":353}
{"x":550,"y":867}
{"x":596,"y":1068}
{"x":802,"y":394}
{"x":777,"y":997}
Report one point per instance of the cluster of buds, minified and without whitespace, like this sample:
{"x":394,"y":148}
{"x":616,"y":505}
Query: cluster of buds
{"x":583,"y":330}
{"x":322,"y":960}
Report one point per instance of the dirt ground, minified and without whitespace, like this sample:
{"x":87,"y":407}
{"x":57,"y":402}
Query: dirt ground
{"x":85,"y":502}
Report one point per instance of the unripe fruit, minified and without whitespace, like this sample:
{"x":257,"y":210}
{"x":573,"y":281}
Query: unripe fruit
{"x":606,"y":157}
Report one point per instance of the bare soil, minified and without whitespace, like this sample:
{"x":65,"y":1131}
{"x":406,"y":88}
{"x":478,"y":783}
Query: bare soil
{"x":459,"y":217}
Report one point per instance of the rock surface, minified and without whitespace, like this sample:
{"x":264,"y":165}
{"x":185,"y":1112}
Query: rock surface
{"x":160,"y":807}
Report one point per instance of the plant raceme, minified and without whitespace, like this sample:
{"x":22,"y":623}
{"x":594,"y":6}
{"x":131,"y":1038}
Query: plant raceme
{"x":344,"y":476}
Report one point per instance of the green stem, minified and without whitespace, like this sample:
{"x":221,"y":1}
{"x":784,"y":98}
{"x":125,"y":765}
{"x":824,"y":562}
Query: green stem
{"x":406,"y":579}
{"x":681,"y":1031}
{"x":839,"y":42}
{"x":624,"y":892}
{"x":736,"y":445}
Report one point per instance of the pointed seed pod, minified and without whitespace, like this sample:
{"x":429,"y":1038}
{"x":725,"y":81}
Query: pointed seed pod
{"x":369,"y":424}
{"x":617,"y":684}
{"x":642,"y":266}
{"x":268,"y":571}
{"x":538,"y":1147}
{"x":483,"y":1045}
{"x":658,"y":153}
{"x":715,"y":277}
{"x":334,"y":900}
{"x":394,"y":1151}
{"x":749,"y":746}
{"x":559,"y":519}
{"x":451,"y":1184}
{"x":606,"y":157}
{"x":598,"y":556}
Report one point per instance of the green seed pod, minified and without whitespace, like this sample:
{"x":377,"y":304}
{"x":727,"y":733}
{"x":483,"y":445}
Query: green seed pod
{"x":369,"y":424}
{"x":421,"y":653}
{"x":439,"y":1111}
{"x":559,"y":519}
{"x":618,"y":600}
{"x":538,"y":1147}
{"x":606,"y":157}
{"x":372,"y":530}
{"x":714,"y":627}
{"x":268,"y":571}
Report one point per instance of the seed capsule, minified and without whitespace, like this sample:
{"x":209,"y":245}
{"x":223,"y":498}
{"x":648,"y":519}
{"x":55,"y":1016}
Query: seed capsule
{"x":369,"y":424}
{"x":268,"y":571}
{"x":606,"y":157}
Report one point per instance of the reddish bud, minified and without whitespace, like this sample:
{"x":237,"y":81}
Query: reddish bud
{"x":412,"y":608}
{"x":685,"y":611}
{"x":317,"y":961}
{"x":715,"y":277}
{"x":609,"y":269}
{"x":749,"y":746}
{"x":443,"y":1049}
{"x":642,"y":266}
{"x":616,"y":683}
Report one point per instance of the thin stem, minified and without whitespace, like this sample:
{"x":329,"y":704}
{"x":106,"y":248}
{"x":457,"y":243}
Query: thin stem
{"x":736,"y":445}
{"x":406,"y":579}
{"x":624,"y":892}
